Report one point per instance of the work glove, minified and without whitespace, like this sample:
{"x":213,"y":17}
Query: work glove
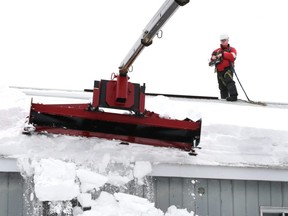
{"x":214,"y":61}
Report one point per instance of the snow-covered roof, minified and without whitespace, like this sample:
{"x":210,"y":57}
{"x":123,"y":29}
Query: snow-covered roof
{"x":233,"y":134}
{"x":239,"y":141}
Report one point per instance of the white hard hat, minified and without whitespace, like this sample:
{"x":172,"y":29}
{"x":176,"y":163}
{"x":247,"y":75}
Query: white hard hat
{"x":224,"y":37}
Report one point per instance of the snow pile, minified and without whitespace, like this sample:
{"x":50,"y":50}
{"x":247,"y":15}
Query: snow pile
{"x":121,"y":204}
{"x":173,"y":211}
{"x":56,"y":180}
{"x":166,"y":108}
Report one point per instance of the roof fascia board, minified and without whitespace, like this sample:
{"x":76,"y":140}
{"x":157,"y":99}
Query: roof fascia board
{"x":220,"y":172}
{"x":8,"y":165}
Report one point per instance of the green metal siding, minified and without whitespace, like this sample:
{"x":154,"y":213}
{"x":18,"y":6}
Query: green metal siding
{"x":206,"y":197}
{"x":11,"y":194}
{"x":214,"y":197}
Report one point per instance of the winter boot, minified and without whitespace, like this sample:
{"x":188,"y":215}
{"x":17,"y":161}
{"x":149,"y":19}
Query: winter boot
{"x":231,"y":98}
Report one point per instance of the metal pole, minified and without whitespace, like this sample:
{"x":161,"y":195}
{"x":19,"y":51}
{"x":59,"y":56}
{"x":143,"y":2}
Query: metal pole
{"x":233,"y":70}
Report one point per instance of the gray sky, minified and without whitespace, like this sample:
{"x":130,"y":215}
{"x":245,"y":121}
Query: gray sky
{"x":68,"y":44}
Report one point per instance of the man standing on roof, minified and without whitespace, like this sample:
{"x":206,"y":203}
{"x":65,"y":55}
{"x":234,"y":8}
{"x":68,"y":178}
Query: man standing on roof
{"x":223,"y":58}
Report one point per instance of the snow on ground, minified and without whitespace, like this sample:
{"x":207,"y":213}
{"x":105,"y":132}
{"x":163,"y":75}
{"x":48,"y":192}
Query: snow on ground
{"x":64,"y":167}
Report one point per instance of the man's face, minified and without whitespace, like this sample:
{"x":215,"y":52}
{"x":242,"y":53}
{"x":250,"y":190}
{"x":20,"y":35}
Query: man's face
{"x":224,"y":42}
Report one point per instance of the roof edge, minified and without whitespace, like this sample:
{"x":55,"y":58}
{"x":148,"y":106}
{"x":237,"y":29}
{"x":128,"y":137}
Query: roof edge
{"x":220,"y":172}
{"x":8,"y":165}
{"x":194,"y":171}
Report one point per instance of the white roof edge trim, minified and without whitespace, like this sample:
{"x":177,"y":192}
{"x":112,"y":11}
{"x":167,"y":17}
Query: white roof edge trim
{"x":194,"y":171}
{"x":8,"y":165}
{"x":220,"y":172}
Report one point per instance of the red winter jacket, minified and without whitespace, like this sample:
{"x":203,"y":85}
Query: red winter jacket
{"x":227,"y":56}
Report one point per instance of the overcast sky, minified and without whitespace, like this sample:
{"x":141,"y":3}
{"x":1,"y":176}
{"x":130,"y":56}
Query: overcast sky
{"x":68,"y":44}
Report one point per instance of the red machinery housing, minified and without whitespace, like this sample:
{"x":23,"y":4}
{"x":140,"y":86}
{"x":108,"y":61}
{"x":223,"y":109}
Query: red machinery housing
{"x":139,"y":126}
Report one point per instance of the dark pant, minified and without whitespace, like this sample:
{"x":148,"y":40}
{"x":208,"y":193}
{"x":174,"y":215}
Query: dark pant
{"x":226,"y":83}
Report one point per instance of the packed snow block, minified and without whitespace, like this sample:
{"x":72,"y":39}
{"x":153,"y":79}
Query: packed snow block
{"x":141,"y":169}
{"x":118,"y":180}
{"x":173,"y":211}
{"x":90,"y":180}
{"x":133,"y":205}
{"x":106,"y":204}
{"x":55,"y":180}
{"x":84,"y":199}
{"x":77,"y":211}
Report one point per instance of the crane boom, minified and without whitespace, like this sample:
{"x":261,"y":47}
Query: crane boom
{"x":139,"y":126}
{"x":149,"y":32}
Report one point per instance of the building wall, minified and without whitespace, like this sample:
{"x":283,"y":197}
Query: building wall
{"x":212,"y":197}
{"x":11,"y":194}
{"x":206,"y":197}
{"x":17,"y":196}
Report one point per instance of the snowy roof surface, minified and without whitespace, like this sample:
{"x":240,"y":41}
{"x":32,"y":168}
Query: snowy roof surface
{"x":233,"y":134}
{"x":64,"y":167}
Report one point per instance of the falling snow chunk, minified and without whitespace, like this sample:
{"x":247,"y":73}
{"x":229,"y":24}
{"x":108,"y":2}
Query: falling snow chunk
{"x":141,"y":169}
{"x":55,"y":180}
{"x":117,"y":180}
{"x":90,"y":180}
{"x":84,"y":199}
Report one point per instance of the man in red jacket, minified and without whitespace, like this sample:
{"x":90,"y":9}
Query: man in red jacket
{"x":223,"y":58}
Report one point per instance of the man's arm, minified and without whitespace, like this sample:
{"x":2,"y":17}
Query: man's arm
{"x":231,"y":56}
{"x":215,"y":58}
